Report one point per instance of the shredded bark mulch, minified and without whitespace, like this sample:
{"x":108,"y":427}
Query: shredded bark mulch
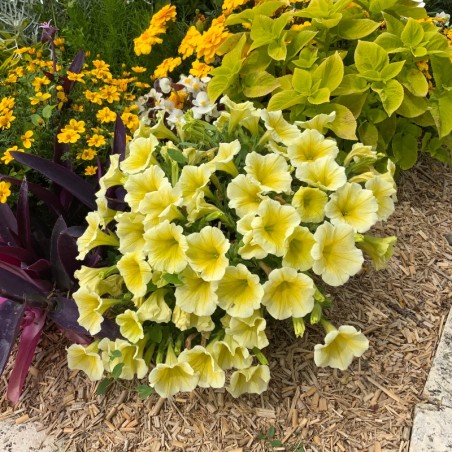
{"x":369,"y":407}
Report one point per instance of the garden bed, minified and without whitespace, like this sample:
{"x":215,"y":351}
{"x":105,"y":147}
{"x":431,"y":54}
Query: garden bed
{"x":368,"y":407}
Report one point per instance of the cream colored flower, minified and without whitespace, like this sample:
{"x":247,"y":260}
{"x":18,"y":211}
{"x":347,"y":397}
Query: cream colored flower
{"x":253,"y":380}
{"x":311,"y":146}
{"x":243,"y":114}
{"x":353,"y":205}
{"x":249,"y":332}
{"x":166,"y":247}
{"x":154,"y":308}
{"x":319,"y":122}
{"x":192,"y":181}
{"x":229,"y":354}
{"x":360,"y":151}
{"x":335,"y":256}
{"x":379,"y":249}
{"x":186,"y":320}
{"x":87,"y":359}
{"x":278,"y":128}
{"x":140,"y":155}
{"x":270,"y":171}
{"x":112,"y":177}
{"x":244,"y":195}
{"x":130,"y":326}
{"x":340,"y":347}
{"x":323,"y":173}
{"x":383,"y":190}
{"x":202,"y":362}
{"x":196,"y":295}
{"x":299,"y":246}
{"x":207,"y":253}
{"x":288,"y":293}
{"x":161,"y":204}
{"x":223,"y":161}
{"x":310,"y":204}
{"x":239,"y":292}
{"x":136,"y":272}
{"x":272,"y":226}
{"x":130,"y":230}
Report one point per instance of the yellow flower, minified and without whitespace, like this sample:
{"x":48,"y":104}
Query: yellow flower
{"x":166,"y":67}
{"x":173,"y":376}
{"x":106,"y":115}
{"x":353,"y":205}
{"x":248,"y":332}
{"x":7,"y":157}
{"x":203,"y":363}
{"x":243,"y":113}
{"x":380,"y":249}
{"x":253,"y":380}
{"x":143,"y":44}
{"x":231,"y":5}
{"x":228,"y":354}
{"x":154,"y":308}
{"x":299,"y":246}
{"x":161,"y":205}
{"x":75,"y":77}
{"x":360,"y":151}
{"x":272,"y":226}
{"x":196,"y":295}
{"x":211,"y":39}
{"x":136,"y":272}
{"x":166,"y":247}
{"x":318,"y":122}
{"x":244,"y":195}
{"x":130,"y":326}
{"x":96,"y":140}
{"x":86,"y":359}
{"x":140,"y":155}
{"x":192,"y":181}
{"x":4,"y":191}
{"x":239,"y":292}
{"x":130,"y":356}
{"x":323,"y":173}
{"x":161,"y":17}
{"x":39,"y":97}
{"x":87,"y":154}
{"x":199,"y":69}
{"x":335,"y":256}
{"x":288,"y":293}
{"x":110,"y":94}
{"x":189,"y":43}
{"x":340,"y":347}
{"x":207,"y":253}
{"x":310,"y":146}
{"x":383,"y":190}
{"x":131,"y":121}
{"x":310,"y":204}
{"x":186,"y":320}
{"x":138,"y":69}
{"x":6,"y":119}
{"x":27,"y":139}
{"x":250,"y":248}
{"x":278,"y":128}
{"x":270,"y":171}
{"x":68,"y":136}
{"x":90,"y":170}
{"x":38,"y":82}
{"x":94,"y":236}
{"x":130,"y":230}
{"x":93,"y":97}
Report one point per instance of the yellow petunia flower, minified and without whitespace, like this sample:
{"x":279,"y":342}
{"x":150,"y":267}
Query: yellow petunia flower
{"x":229,"y":354}
{"x":379,"y":249}
{"x":299,"y":246}
{"x":278,"y":128}
{"x":5,"y":191}
{"x":335,"y":256}
{"x":186,"y":320}
{"x":136,"y":272}
{"x":154,"y":308}
{"x":318,"y":122}
{"x":340,"y":347}
{"x":288,"y":293}
{"x":244,"y":114}
{"x":244,"y":194}
{"x":203,"y":363}
{"x":196,"y":295}
{"x":239,"y":292}
{"x":383,"y":190}
{"x":323,"y":173}
{"x":271,"y":171}
{"x":353,"y":205}
{"x":250,"y":248}
{"x":130,"y":325}
{"x":253,"y":380}
{"x":310,"y":204}
{"x":161,"y":204}
{"x":248,"y":332}
{"x":206,"y":253}
{"x":140,"y":155}
{"x":130,"y":230}
{"x":166,"y":247}
{"x":192,"y":181}
{"x":223,"y":160}
{"x":87,"y":359}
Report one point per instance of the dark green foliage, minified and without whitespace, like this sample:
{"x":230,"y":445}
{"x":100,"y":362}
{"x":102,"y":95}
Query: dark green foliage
{"x":439,"y":5}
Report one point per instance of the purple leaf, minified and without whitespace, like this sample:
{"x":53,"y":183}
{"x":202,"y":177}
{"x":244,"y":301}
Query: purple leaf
{"x":75,"y":67}
{"x":23,"y":217}
{"x":7,"y":218}
{"x":67,"y":251}
{"x":11,"y":314}
{"x":119,"y":138}
{"x":20,"y":254}
{"x":60,"y":276}
{"x":33,"y":324}
{"x":40,"y":270}
{"x":81,"y":189}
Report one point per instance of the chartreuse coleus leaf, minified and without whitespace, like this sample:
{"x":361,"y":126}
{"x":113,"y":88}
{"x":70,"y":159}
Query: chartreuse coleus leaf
{"x":325,"y":13}
{"x":356,"y":28}
{"x":248,"y":15}
{"x":391,"y":94}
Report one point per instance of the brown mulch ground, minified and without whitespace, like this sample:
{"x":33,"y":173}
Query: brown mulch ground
{"x":367,"y":408}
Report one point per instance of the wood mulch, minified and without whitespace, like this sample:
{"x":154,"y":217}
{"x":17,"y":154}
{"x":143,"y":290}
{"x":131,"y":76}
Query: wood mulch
{"x":369,"y":407}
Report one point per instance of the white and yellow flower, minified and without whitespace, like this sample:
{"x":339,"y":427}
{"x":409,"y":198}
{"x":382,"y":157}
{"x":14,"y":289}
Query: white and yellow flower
{"x":161,"y":205}
{"x":288,"y":293}
{"x":140,"y":155}
{"x":253,"y":380}
{"x":223,"y":161}
{"x":299,"y":246}
{"x":193,"y":180}
{"x":154,"y":308}
{"x":130,"y":325}
{"x":186,"y":320}
{"x":310,"y":204}
{"x":229,"y":354}
{"x":130,"y":230}
{"x":249,"y":332}
{"x":323,"y":173}
{"x":243,"y":114}
{"x":319,"y":122}
{"x":244,"y":194}
{"x":384,"y":191}
{"x":136,"y":272}
{"x":87,"y":359}
{"x":278,"y":128}
{"x":335,"y":256}
{"x":351,"y":204}
{"x":379,"y":249}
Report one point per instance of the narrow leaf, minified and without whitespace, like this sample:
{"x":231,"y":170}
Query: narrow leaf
{"x":23,"y":217}
{"x":59,"y":273}
{"x":119,"y":138}
{"x":81,"y":189}
{"x":67,"y":250}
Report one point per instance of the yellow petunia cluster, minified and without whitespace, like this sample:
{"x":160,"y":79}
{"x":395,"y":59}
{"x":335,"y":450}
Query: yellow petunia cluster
{"x":214,"y":239}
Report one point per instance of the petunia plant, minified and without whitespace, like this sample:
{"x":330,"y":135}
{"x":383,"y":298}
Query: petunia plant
{"x":221,"y":228}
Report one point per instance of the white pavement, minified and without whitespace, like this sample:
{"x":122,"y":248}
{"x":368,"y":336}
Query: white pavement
{"x":432,"y":426}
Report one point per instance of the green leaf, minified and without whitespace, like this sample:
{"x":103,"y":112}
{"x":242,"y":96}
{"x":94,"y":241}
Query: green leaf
{"x":47,"y":111}
{"x":177,"y":155}
{"x":260,"y":84}
{"x":392,"y":70}
{"x":302,"y":81}
{"x":356,"y":28}
{"x":277,"y":49}
{"x":370,"y":57}
{"x":298,"y":39}
{"x":391,"y":43}
{"x":257,"y":61}
{"x":412,"y":106}
{"x":413,"y":33}
{"x":261,"y":31}
{"x":217,"y":86}
{"x":354,"y":102}
{"x":393,"y":25}
{"x":36,"y":120}
{"x":441,"y":110}
{"x":351,"y":84}
{"x":103,"y":386}
{"x":368,"y":134}
{"x":442,"y":71}
{"x":284,"y":100}
{"x":115,"y":354}
{"x":276,"y":443}
{"x":320,"y":96}
{"x":330,"y":72}
{"x":155,"y":333}
{"x":405,"y":150}
{"x":117,"y":370}
{"x":414,"y":81}
{"x":391,"y":96}
{"x":306,"y":58}
{"x":419,"y":51}
{"x":271,"y":432}
{"x":172,"y":279}
{"x":144,"y":391}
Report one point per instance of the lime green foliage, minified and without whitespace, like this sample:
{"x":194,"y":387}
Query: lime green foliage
{"x":383,"y":66}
